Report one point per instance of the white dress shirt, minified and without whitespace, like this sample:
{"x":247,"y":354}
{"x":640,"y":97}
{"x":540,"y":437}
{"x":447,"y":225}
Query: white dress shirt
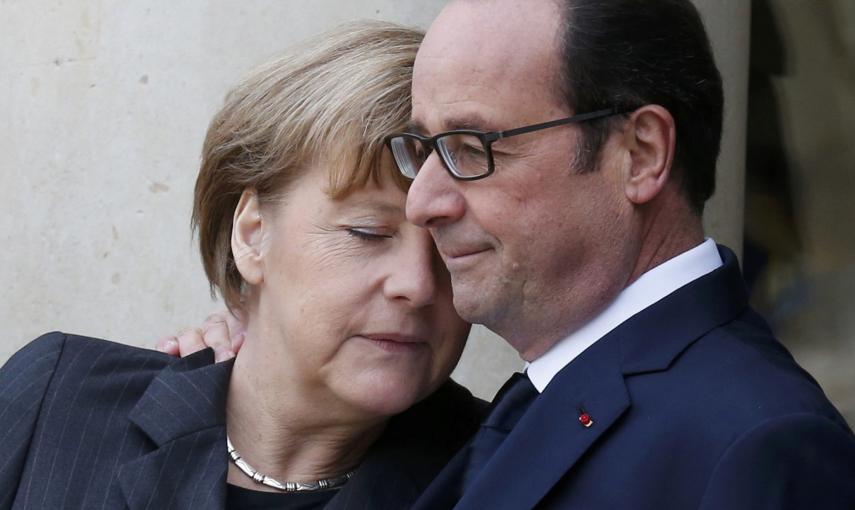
{"x":647,"y":290}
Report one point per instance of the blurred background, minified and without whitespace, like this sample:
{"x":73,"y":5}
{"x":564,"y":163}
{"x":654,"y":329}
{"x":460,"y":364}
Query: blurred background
{"x":104,"y":105}
{"x":799,"y":254}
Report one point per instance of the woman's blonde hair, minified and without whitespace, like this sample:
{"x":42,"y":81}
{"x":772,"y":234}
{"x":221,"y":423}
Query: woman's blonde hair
{"x":331,"y":100}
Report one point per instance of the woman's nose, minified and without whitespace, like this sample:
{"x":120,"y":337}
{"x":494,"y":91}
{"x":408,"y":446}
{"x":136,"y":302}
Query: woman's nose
{"x":413,"y":278}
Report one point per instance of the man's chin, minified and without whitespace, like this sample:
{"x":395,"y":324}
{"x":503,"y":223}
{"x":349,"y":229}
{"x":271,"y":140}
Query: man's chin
{"x":473,"y":306}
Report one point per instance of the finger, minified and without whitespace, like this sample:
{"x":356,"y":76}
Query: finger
{"x":190,"y":341}
{"x":218,"y":316}
{"x":168,"y":345}
{"x":216,"y":335}
{"x":223,"y":355}
{"x":227,"y":354}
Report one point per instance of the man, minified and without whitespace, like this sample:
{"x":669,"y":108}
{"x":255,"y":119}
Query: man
{"x":580,"y":242}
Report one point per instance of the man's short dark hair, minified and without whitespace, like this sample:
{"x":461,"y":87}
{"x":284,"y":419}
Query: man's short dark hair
{"x":628,"y":53}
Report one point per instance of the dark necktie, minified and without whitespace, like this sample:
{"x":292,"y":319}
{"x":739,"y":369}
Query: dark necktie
{"x":508,"y":407}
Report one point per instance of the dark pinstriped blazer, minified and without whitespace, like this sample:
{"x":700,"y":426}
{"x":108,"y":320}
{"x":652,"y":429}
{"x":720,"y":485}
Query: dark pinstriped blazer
{"x":92,"y":424}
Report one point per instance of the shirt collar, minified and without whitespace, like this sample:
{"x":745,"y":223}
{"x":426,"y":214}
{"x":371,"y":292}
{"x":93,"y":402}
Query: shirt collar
{"x":649,"y":288}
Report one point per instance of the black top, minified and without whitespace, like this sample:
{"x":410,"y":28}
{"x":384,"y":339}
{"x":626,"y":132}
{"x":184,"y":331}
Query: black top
{"x":238,"y":498}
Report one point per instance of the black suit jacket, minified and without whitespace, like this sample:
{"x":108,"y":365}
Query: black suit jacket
{"x":695,"y":405}
{"x":91,"y":424}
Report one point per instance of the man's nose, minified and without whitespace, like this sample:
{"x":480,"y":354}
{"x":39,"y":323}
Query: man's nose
{"x":434,"y":198}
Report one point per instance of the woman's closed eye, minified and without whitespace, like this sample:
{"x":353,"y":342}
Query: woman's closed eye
{"x":368,"y":234}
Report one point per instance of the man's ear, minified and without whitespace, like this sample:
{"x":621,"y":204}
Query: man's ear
{"x":650,"y":135}
{"x":247,"y":236}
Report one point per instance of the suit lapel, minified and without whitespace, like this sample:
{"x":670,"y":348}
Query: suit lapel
{"x":183,"y":413}
{"x":550,"y":439}
{"x":651,"y":340}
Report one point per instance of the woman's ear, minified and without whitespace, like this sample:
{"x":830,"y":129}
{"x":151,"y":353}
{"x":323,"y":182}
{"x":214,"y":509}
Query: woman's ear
{"x":247,"y":236}
{"x":651,"y":139}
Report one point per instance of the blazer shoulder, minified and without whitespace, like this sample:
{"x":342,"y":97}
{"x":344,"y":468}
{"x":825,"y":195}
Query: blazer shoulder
{"x":24,"y":381}
{"x":773,"y":372}
{"x":802,"y":460}
{"x":58,"y":343}
{"x":58,"y":366}
{"x":28,"y":372}
{"x":756,"y":379}
{"x":48,"y":344}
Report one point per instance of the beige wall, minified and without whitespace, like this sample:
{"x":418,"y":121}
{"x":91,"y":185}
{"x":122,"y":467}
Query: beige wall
{"x":104,"y":106}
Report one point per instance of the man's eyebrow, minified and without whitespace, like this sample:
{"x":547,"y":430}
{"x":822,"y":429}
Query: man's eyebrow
{"x":414,"y":126}
{"x":468,"y":121}
{"x":472,"y":121}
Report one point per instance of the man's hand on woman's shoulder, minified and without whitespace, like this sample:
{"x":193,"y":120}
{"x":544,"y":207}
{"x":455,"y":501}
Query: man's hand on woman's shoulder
{"x":221,"y":331}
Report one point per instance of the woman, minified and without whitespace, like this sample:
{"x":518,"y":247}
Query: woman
{"x":349,"y":322}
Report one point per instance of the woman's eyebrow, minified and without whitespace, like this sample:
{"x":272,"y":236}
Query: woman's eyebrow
{"x":371,"y":206}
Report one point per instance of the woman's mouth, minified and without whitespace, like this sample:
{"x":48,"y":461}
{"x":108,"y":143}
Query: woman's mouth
{"x":396,"y":342}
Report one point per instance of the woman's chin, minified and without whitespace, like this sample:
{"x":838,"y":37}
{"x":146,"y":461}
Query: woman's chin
{"x":387,"y":396}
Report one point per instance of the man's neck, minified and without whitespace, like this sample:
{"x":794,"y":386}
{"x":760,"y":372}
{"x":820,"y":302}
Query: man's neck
{"x":665,"y":244}
{"x":661,"y":242}
{"x":644,"y":292}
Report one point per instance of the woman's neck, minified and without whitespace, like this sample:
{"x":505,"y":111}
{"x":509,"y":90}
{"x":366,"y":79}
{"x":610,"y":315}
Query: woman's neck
{"x":286,"y":429}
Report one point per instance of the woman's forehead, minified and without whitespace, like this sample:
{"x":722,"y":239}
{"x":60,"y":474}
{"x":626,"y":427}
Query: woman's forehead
{"x":385,"y":199}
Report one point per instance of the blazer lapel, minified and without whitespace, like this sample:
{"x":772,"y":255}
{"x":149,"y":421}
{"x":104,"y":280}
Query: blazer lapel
{"x":550,"y":438}
{"x":183,"y":413}
{"x":651,"y":340}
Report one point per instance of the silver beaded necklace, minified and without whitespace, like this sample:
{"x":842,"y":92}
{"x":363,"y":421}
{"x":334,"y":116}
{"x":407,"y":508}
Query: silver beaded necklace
{"x":319,"y":485}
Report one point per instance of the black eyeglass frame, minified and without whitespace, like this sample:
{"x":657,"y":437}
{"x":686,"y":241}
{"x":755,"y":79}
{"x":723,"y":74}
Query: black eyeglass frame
{"x":488,"y":138}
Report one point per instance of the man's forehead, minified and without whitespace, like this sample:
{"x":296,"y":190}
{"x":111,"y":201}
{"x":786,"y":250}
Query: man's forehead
{"x":481,"y":58}
{"x":493,"y":30}
{"x":504,"y":17}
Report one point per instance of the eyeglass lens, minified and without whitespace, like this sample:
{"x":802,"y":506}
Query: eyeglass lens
{"x":465,"y":154}
{"x":410,"y":154}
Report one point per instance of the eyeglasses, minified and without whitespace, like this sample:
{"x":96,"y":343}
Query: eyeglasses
{"x":467,"y":154}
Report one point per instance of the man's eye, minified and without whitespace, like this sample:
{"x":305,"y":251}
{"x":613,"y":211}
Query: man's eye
{"x":475,"y":150}
{"x":367,"y":235}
